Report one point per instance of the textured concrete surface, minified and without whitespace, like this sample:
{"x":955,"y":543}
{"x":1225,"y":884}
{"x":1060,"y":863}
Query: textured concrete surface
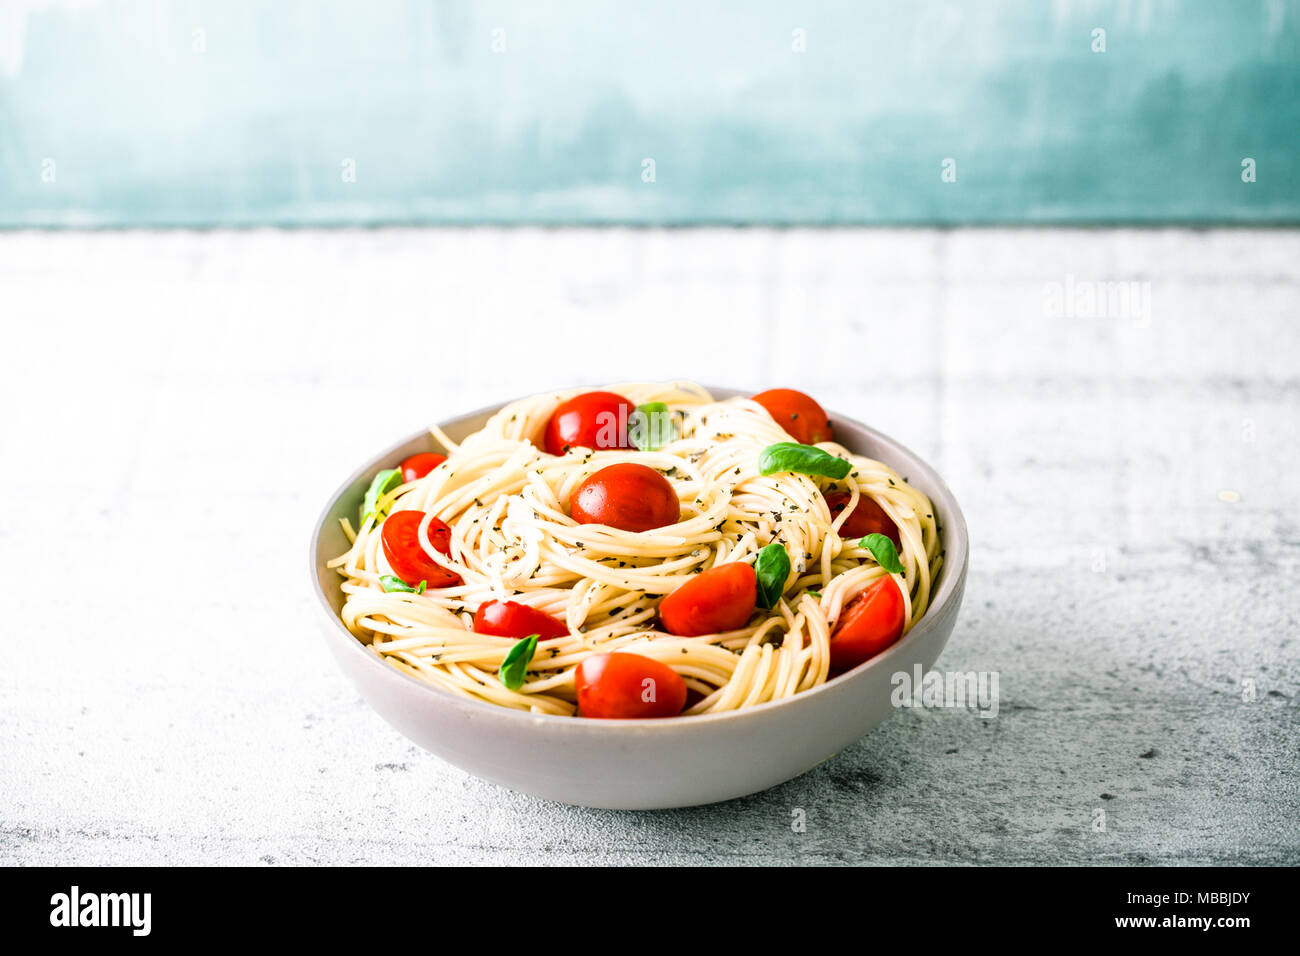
{"x":180,"y":405}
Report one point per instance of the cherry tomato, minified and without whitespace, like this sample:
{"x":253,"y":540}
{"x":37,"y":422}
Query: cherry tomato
{"x":405,"y":556}
{"x":628,"y":496}
{"x":866,"y":518}
{"x":872,"y":622}
{"x":417,"y":466}
{"x":621,"y":685}
{"x":797,"y":413}
{"x":592,"y":419}
{"x":719,"y":599}
{"x":512,"y":619}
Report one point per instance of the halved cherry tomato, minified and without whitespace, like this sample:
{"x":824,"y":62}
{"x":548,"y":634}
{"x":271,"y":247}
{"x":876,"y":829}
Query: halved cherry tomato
{"x":872,"y":622}
{"x":405,"y":556}
{"x":801,"y":416}
{"x":628,"y":496}
{"x":867,"y":517}
{"x":719,"y":599}
{"x":621,"y":685}
{"x":512,"y":619}
{"x":417,"y":466}
{"x":593,"y":419}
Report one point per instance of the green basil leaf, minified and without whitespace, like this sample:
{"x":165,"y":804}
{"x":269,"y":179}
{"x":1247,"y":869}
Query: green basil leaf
{"x":652,"y":426}
{"x":391,"y":583}
{"x":516,"y":663}
{"x":883,"y":550}
{"x":384,"y":482}
{"x":813,"y":593}
{"x":773,"y":567}
{"x":804,"y":459}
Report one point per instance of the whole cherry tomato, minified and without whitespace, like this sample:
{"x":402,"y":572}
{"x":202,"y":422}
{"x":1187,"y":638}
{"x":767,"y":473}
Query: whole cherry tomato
{"x":866,"y":518}
{"x":622,"y":685}
{"x":719,"y":599}
{"x":628,"y":496}
{"x":399,"y":536}
{"x":593,"y":420}
{"x":512,"y":619}
{"x":417,"y":466}
{"x":872,"y":622}
{"x":805,"y":420}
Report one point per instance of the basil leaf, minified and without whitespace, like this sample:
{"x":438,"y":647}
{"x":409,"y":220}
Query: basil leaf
{"x":804,"y":459}
{"x":773,"y":567}
{"x":391,"y":583}
{"x":652,"y":426}
{"x":516,"y":663}
{"x":883,"y":550}
{"x":384,"y":482}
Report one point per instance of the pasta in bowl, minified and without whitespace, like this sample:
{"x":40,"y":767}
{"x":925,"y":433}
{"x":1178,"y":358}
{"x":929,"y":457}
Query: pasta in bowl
{"x":645,"y":551}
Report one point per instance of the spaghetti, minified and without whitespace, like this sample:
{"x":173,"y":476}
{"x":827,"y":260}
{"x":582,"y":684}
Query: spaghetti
{"x":512,"y":538}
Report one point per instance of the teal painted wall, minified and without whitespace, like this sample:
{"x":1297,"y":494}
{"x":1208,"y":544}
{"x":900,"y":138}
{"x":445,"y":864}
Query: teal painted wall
{"x":250,"y":121}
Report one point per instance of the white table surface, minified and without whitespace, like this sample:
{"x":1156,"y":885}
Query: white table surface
{"x":179,"y":405}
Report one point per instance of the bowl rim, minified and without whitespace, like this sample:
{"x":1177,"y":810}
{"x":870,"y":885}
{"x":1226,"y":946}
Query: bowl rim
{"x":950,"y":585}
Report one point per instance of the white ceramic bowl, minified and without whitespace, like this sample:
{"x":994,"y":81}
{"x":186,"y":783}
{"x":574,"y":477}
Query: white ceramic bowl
{"x":642,"y":764}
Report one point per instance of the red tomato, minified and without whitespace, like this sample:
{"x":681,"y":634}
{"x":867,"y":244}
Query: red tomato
{"x":417,"y":466}
{"x":628,"y":496}
{"x":797,"y":413}
{"x":866,"y":518}
{"x":624,"y":685}
{"x":719,"y":599}
{"x":872,"y":622}
{"x":405,"y":556}
{"x":512,"y":619}
{"x":592,"y":419}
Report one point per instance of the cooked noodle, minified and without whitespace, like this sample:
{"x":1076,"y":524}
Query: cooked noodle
{"x":512,"y":538}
